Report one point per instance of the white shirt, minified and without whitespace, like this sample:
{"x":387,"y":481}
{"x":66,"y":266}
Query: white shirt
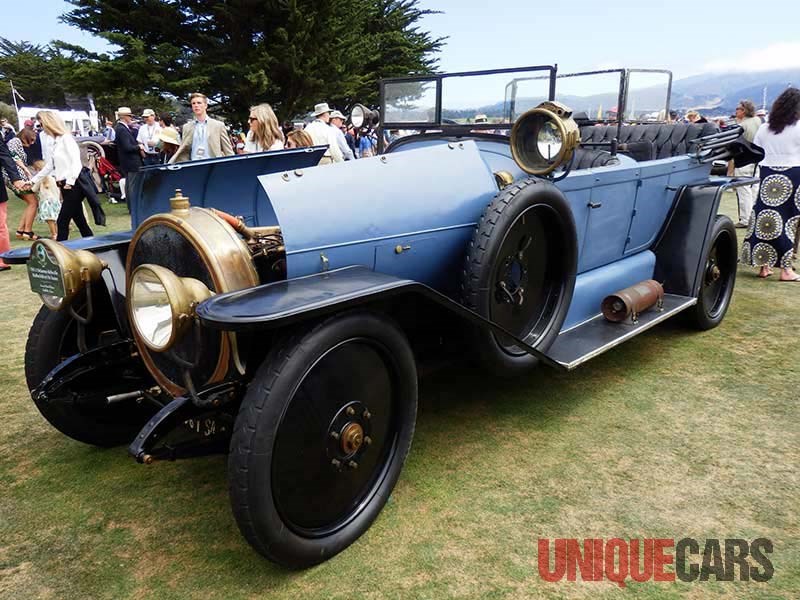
{"x":148,"y":137}
{"x":64,"y":163}
{"x":251,"y":145}
{"x":780,"y":149}
{"x":347,"y":153}
{"x":323,"y":134}
{"x":47,"y":142}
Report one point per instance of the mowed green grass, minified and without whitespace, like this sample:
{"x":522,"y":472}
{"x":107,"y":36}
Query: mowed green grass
{"x":674,"y":434}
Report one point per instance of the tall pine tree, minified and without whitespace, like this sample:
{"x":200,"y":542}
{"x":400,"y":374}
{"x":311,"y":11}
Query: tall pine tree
{"x":290,"y":53}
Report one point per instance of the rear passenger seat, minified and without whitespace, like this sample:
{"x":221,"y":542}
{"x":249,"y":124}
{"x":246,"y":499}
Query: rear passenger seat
{"x":649,"y":141}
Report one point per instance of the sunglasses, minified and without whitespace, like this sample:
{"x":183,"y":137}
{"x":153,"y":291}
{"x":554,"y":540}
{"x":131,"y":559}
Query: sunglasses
{"x":252,"y":118}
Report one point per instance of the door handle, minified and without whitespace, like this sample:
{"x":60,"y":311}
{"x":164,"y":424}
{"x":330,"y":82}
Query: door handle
{"x":594,"y":204}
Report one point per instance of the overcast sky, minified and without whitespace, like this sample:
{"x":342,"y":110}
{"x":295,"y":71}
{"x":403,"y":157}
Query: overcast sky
{"x":686,"y":37}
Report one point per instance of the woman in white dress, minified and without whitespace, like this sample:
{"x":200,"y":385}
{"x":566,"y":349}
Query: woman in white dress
{"x":265,"y":133}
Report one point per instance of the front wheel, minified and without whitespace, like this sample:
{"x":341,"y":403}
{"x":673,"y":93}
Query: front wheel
{"x":717,"y":278}
{"x":53,"y":337}
{"x":321,"y":437}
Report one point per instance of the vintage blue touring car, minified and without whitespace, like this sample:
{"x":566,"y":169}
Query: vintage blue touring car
{"x":289,"y":330}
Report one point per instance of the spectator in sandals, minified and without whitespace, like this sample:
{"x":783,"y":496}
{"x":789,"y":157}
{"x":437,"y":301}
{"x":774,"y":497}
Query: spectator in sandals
{"x":265,"y":133}
{"x":7,"y":164}
{"x":16,"y":146}
{"x":773,"y":229}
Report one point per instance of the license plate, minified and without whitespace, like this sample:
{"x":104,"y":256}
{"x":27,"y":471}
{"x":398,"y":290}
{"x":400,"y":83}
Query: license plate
{"x":45,"y":273}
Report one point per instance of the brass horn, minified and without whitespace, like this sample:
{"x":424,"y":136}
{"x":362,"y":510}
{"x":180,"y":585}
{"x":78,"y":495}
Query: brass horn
{"x":544,"y":138}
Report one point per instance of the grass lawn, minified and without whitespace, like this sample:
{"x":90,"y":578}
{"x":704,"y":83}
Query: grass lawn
{"x":674,"y":434}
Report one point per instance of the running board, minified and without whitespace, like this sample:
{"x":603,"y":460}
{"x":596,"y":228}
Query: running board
{"x":575,"y":346}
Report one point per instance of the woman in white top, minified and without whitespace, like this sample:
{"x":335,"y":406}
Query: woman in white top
{"x":773,"y":228}
{"x":64,"y":163}
{"x":265,"y":133}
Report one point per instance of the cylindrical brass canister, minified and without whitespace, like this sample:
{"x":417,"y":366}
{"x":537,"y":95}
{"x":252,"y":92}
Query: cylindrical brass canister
{"x":632,"y":301}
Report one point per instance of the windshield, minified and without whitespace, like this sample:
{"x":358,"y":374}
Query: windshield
{"x":485,"y":99}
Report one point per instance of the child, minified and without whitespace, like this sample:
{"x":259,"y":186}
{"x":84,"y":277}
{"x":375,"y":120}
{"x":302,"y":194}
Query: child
{"x":49,"y":199}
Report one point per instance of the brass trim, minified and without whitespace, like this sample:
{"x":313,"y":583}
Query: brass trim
{"x":228,"y":260}
{"x":77,"y":268}
{"x":351,"y":438}
{"x":560,"y":115}
{"x":183,"y":293}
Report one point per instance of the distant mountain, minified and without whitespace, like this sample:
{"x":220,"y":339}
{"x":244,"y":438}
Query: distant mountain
{"x":720,"y":92}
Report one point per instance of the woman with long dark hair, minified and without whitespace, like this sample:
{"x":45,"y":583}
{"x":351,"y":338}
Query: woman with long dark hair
{"x":773,"y":227}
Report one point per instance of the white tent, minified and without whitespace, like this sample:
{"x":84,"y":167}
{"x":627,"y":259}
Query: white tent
{"x":77,"y":121}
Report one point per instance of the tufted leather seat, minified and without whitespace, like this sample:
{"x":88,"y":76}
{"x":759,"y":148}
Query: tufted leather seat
{"x":590,"y":158}
{"x":648,"y":141}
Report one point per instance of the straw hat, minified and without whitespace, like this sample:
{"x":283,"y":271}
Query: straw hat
{"x":124,"y":111}
{"x":321,"y":108}
{"x":337,"y":115}
{"x":148,"y":112}
{"x":169,"y":136}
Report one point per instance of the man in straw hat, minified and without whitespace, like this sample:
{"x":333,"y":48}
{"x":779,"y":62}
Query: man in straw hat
{"x":323,"y":134}
{"x":337,"y":120}
{"x":128,"y":151}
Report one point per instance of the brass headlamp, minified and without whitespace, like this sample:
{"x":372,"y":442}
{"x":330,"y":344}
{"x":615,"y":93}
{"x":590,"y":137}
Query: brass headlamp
{"x":544,"y":138}
{"x":162,"y":305}
{"x":58,"y":273}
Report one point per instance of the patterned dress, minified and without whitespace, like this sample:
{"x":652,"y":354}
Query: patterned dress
{"x":772,"y":230}
{"x":49,"y":199}
{"x":18,"y":153}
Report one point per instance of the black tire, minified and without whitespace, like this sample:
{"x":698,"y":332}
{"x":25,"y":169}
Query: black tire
{"x":53,"y":338}
{"x":292,"y":503}
{"x":541,"y":264}
{"x":718,"y":277}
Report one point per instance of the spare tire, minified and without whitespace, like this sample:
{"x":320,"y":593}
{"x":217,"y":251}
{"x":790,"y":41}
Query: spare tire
{"x":520,"y":273}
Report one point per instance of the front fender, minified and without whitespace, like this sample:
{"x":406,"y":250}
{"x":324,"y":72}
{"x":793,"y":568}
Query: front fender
{"x":285,"y":303}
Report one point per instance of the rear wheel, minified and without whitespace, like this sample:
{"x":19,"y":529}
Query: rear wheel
{"x":520,"y":273}
{"x":718,"y":277}
{"x":321,"y":436}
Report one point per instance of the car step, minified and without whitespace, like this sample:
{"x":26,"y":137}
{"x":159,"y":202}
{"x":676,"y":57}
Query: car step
{"x":579,"y":344}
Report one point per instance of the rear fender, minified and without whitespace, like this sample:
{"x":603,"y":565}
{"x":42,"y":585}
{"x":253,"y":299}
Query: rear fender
{"x":684,"y":240}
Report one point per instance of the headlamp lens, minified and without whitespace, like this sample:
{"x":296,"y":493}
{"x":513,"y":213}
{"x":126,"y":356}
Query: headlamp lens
{"x":151,"y":309}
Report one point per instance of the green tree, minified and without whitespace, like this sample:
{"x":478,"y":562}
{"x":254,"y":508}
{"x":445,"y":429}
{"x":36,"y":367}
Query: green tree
{"x":39,"y":72}
{"x":290,"y":53}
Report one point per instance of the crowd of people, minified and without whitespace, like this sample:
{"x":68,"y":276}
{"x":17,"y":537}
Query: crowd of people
{"x":42,"y":162}
{"x":42,"y":165}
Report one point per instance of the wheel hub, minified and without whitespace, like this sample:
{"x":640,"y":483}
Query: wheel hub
{"x":349,"y":435}
{"x":352,"y":437}
{"x":713,"y":272}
